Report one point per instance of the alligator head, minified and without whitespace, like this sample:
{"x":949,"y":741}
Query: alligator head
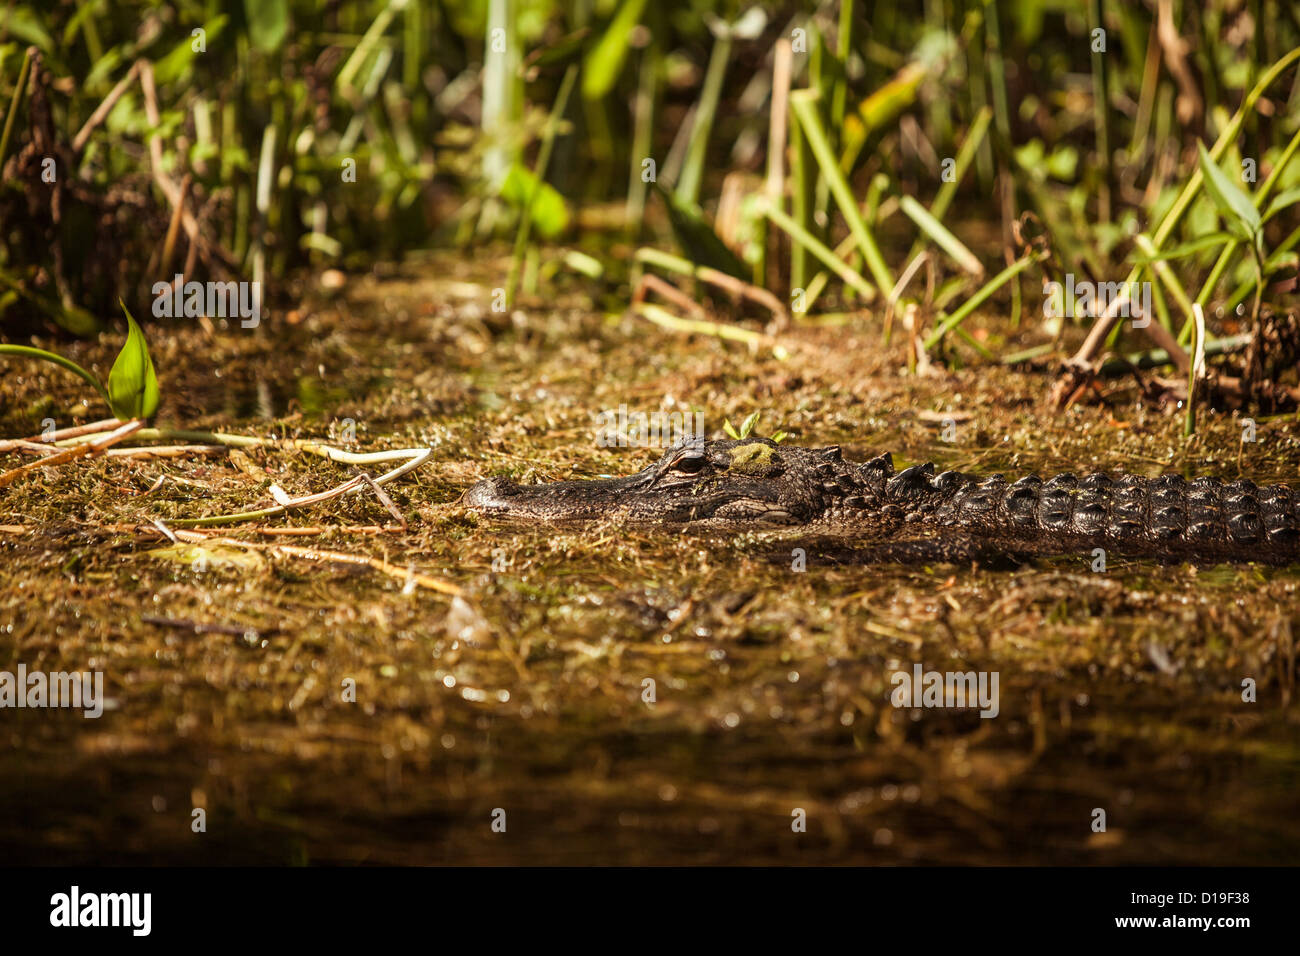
{"x":751,"y":482}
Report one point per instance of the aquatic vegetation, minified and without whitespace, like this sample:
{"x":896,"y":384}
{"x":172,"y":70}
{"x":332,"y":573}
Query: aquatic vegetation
{"x":132,"y":389}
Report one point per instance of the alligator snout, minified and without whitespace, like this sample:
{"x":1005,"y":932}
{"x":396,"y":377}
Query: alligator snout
{"x":490,"y":494}
{"x":558,"y":501}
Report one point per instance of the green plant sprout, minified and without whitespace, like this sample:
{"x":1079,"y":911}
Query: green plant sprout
{"x":747,"y":429}
{"x":132,"y":390}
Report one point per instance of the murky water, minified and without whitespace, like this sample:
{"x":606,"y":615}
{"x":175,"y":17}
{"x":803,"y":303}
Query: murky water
{"x":528,"y":704}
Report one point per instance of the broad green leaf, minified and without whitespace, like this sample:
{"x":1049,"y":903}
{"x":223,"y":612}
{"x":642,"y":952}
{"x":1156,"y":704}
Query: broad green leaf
{"x":747,"y":426}
{"x":730,"y":429}
{"x":1062,"y":163}
{"x":698,"y":240}
{"x":1283,"y":200}
{"x":605,"y":60}
{"x":1234,"y":203}
{"x":888,"y":102}
{"x":550,"y":215}
{"x":132,"y":384}
{"x":560,"y":52}
{"x":26,"y":351}
{"x":70,"y":316}
{"x":84,"y":12}
{"x":268,"y":23}
{"x":177,"y":63}
{"x":19,"y":21}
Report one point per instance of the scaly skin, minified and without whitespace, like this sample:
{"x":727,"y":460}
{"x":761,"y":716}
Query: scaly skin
{"x":754,"y":484}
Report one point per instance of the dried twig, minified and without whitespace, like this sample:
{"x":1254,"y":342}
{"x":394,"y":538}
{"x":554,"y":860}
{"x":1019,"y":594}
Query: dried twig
{"x":169,"y":188}
{"x":417,"y":456}
{"x":665,"y":319}
{"x":78,"y":451}
{"x":104,"y":108}
{"x":317,"y":554}
{"x":90,"y":428}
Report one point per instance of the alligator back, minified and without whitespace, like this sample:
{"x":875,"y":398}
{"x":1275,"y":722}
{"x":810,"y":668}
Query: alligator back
{"x":1206,"y":516}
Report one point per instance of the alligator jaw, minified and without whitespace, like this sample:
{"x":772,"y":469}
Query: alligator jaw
{"x":622,"y":500}
{"x":561,"y":501}
{"x":722,"y":484}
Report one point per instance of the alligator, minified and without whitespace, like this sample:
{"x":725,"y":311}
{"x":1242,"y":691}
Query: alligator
{"x":738,"y":485}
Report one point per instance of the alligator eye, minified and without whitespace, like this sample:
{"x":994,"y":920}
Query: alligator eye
{"x":688,"y":466}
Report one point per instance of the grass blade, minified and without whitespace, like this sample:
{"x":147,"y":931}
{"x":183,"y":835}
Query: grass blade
{"x":833,"y":262}
{"x":802,"y":102}
{"x":979,"y":298}
{"x":939,"y":233}
{"x":539,"y":175}
{"x":26,"y":351}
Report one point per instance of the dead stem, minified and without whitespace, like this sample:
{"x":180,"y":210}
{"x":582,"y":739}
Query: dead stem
{"x":80,"y":451}
{"x":317,"y":554}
